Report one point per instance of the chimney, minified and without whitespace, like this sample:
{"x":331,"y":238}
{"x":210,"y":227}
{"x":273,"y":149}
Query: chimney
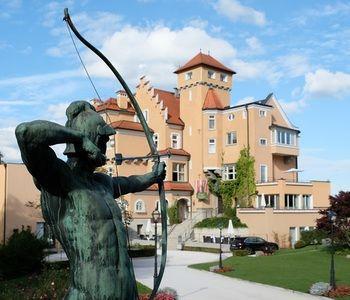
{"x":122,"y":99}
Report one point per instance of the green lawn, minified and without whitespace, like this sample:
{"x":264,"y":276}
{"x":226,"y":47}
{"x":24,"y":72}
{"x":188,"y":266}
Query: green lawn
{"x":51,"y":284}
{"x":292,"y":269}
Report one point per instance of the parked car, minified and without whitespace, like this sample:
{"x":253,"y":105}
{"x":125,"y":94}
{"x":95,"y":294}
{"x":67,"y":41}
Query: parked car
{"x":252,"y":244}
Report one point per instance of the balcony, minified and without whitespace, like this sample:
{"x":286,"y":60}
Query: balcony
{"x":284,"y":150}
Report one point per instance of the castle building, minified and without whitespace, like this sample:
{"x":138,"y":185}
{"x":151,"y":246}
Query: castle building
{"x":204,"y":135}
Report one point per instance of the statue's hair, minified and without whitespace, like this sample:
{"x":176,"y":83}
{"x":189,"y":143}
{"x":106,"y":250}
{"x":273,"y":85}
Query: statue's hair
{"x":75,"y":108}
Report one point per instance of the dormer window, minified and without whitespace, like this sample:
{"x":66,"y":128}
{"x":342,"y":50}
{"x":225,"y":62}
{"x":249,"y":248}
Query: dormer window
{"x":211,"y":74}
{"x":188,"y":76}
{"x":223,"y":77}
{"x":156,"y":139}
{"x":175,"y":141}
{"x":262,"y":113}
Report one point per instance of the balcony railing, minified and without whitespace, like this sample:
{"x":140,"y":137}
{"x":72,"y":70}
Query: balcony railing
{"x":289,"y":180}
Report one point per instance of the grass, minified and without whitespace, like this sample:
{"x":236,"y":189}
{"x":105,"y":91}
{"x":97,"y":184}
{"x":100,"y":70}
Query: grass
{"x":51,"y":284}
{"x":292,"y":269}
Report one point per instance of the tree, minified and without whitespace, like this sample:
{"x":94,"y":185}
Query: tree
{"x":245,"y":179}
{"x":340,"y":204}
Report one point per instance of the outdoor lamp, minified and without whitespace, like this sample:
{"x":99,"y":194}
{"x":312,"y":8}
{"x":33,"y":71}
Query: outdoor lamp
{"x":331,"y":215}
{"x":155,"y":216}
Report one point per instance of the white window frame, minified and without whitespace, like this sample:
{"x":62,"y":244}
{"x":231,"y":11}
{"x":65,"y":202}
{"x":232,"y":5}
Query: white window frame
{"x":229,"y":172}
{"x":211,"y":119}
{"x":156,"y":139}
{"x":294,"y":201}
{"x":266,"y":173}
{"x":211,"y":74}
{"x":180,"y":172}
{"x":189,"y":95}
{"x":263,"y":143}
{"x":306,"y":201}
{"x":283,"y":136}
{"x":212,"y":146}
{"x":223,"y":77}
{"x":231,"y":138}
{"x":231,"y":116}
{"x":177,"y":140}
{"x":141,"y":209}
{"x":145,"y":113}
{"x":262,"y":113}
{"x":188,"y":75}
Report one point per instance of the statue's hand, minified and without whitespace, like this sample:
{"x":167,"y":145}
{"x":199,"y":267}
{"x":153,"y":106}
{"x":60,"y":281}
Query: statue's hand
{"x":159,"y":171}
{"x":93,"y":152}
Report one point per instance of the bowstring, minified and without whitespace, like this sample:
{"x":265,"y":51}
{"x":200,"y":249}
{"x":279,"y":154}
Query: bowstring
{"x":107,"y":117}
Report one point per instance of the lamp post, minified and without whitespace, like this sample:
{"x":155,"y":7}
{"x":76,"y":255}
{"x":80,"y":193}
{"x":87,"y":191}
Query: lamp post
{"x":155,"y":218}
{"x":331,"y":215}
{"x":220,"y":257}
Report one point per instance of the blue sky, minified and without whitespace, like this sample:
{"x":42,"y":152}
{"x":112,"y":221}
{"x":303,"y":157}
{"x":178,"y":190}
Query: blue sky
{"x":299,"y":50}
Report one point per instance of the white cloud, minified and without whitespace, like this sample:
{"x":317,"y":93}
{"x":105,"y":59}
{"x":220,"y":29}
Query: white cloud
{"x":156,"y":52}
{"x":294,"y":65}
{"x":324,"y":83}
{"x":254,"y":45}
{"x":235,"y":11}
{"x":293,"y":106}
{"x":8,"y":145}
{"x":57,"y":113}
{"x":245,"y":100}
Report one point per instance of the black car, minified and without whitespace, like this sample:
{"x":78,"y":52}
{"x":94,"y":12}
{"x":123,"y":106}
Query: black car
{"x":252,"y":244}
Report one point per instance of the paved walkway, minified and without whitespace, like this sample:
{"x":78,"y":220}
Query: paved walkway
{"x":202,"y":285}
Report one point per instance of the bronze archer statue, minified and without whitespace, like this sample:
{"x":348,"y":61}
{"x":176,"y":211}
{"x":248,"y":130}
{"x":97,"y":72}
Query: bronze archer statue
{"x":78,"y":204}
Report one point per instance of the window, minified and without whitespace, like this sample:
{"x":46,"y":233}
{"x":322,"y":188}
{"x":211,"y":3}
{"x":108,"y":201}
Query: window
{"x":190,"y":95}
{"x":140,"y":206}
{"x":262,"y":113}
{"x":263,"y":142}
{"x":190,"y":130}
{"x":211,"y":122}
{"x":146,"y":114}
{"x":110,"y":171}
{"x":306,"y":204}
{"x":188,"y":76}
{"x":290,"y":201}
{"x":231,"y":138}
{"x":229,"y":172}
{"x":230,"y":117}
{"x":211,"y":74}
{"x":285,"y":137}
{"x":111,"y":142}
{"x":156,"y":139}
{"x":268,"y":201}
{"x":175,"y":141}
{"x":212,"y":146}
{"x":263,"y":173}
{"x":178,"y":172}
{"x":223,"y":77}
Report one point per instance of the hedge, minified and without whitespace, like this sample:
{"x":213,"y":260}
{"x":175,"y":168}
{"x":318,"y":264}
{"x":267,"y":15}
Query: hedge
{"x":216,"y":222}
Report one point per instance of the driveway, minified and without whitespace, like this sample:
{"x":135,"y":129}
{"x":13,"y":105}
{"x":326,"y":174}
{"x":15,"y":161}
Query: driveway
{"x":202,"y":285}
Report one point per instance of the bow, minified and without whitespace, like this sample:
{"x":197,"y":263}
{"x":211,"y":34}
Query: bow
{"x":153,"y":148}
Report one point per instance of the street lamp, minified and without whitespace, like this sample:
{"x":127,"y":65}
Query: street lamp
{"x":155,"y":218}
{"x":220,"y":256}
{"x":331,"y":215}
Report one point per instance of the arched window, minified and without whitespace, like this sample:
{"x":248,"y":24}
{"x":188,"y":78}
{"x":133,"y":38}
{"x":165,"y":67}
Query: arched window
{"x":140,"y":206}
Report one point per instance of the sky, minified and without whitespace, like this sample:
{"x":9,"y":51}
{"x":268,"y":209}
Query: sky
{"x":298,"y":50}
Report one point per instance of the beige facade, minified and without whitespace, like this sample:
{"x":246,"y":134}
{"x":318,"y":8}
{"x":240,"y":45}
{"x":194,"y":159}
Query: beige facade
{"x":210,"y":134}
{"x":17,"y":190}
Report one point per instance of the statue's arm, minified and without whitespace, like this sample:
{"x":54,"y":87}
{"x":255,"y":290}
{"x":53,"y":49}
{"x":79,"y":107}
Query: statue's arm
{"x":138,"y":183}
{"x":34,"y":140}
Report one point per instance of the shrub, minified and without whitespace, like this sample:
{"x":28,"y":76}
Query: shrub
{"x":173,"y":215}
{"x":142,"y":251}
{"x":22,"y":254}
{"x":240,"y":252}
{"x":219,"y":221}
{"x":299,"y":244}
{"x":312,"y":237}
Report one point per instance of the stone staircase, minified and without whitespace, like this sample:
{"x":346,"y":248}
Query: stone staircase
{"x":182,"y":232}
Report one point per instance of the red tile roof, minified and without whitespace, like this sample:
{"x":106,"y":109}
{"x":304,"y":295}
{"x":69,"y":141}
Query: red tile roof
{"x":128,"y":125}
{"x":172,"y":151}
{"x":212,"y":101}
{"x":173,"y":104}
{"x":112,"y":104}
{"x":174,"y":186}
{"x":206,"y":60}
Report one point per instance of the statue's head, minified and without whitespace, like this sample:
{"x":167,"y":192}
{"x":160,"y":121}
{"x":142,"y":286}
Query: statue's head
{"x":83,"y":117}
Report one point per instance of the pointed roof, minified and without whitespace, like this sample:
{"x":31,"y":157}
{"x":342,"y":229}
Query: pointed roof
{"x":128,"y":125}
{"x":173,"y":104}
{"x":212,"y":101}
{"x":204,"y":60}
